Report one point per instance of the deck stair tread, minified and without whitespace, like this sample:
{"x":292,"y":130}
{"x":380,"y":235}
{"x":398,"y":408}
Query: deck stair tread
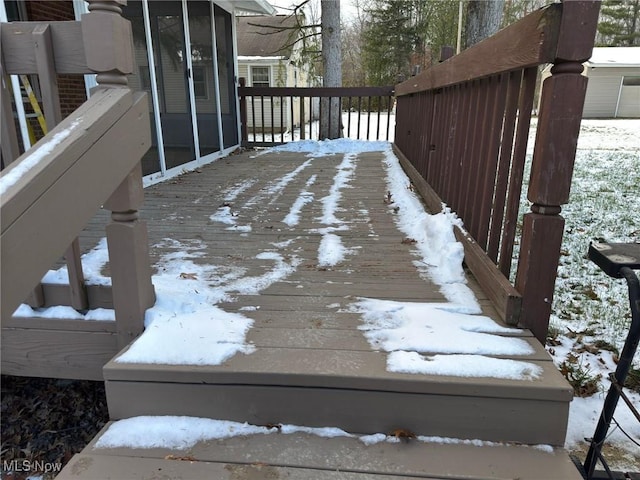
{"x":307,"y":456}
{"x":339,"y":369}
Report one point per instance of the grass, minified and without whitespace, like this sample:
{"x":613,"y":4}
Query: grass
{"x":590,"y":311}
{"x":604,"y":205}
{"x":580,"y":376}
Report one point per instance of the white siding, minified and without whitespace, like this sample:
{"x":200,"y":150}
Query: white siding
{"x":603,"y":91}
{"x":175,"y":96}
{"x":243,"y":71}
{"x":629,"y":102}
{"x":282,"y":74}
{"x":269,"y":121}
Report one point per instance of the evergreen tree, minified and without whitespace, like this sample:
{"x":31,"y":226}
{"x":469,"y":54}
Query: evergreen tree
{"x":388,"y":39}
{"x":400,"y":38}
{"x":619,"y":24}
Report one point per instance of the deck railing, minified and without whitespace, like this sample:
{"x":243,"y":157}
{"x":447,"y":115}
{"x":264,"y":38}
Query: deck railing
{"x":462,"y":128}
{"x":89,"y":160}
{"x":276,"y":115}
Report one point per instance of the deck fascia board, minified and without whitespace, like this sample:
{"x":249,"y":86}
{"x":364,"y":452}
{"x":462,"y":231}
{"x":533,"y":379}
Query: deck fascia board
{"x":527,"y":421}
{"x":358,"y":370}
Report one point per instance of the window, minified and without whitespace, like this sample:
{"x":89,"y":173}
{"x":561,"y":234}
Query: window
{"x":200,"y":85}
{"x":260,"y":77}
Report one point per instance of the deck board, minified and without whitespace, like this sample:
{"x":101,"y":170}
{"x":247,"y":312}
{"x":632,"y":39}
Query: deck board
{"x":307,"y":342}
{"x":306,"y":456}
{"x":311,"y":364}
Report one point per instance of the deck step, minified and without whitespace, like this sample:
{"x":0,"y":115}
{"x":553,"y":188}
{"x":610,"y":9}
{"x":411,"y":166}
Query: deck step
{"x":348,"y":389}
{"x":308,"y":456}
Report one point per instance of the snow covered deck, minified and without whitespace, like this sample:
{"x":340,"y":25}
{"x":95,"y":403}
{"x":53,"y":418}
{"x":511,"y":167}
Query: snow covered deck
{"x":312,"y":289}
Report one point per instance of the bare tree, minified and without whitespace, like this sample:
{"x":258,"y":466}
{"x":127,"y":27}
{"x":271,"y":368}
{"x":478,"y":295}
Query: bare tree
{"x":483,"y":19}
{"x":353,"y":73}
{"x":331,"y":68}
{"x":331,"y":52}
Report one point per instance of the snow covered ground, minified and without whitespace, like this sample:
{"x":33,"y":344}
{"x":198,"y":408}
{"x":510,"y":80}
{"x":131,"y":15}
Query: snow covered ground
{"x":588,"y":307}
{"x":591,"y":315}
{"x":365,"y":126}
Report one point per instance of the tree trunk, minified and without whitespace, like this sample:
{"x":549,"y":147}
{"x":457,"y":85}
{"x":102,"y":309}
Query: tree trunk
{"x":330,"y":125}
{"x":483,"y":20}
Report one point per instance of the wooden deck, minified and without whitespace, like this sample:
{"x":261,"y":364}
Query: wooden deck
{"x":312,"y":366}
{"x":304,"y":456}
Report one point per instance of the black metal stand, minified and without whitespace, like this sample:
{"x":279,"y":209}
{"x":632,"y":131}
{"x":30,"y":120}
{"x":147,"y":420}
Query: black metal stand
{"x":617,"y":261}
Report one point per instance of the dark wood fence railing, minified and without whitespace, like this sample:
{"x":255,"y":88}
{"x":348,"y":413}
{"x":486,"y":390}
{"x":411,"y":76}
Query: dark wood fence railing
{"x":275,"y":115}
{"x":462,"y":129}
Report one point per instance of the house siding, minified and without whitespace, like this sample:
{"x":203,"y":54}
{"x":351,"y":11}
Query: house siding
{"x":630,"y":98}
{"x":604,"y":89}
{"x":282,"y":74}
{"x":606,"y":96}
{"x":277,"y":122}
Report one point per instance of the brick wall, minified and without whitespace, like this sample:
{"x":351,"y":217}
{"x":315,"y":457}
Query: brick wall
{"x":72,"y":89}
{"x":49,"y":10}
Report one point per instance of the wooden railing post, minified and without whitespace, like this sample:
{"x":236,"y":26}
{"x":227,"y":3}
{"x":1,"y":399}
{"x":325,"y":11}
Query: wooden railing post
{"x":446,"y":52}
{"x":43,"y":48}
{"x":109,"y":50}
{"x":108,"y":42}
{"x":243,"y":114}
{"x":129,"y":258}
{"x":552,"y":168}
{"x":9,"y":136}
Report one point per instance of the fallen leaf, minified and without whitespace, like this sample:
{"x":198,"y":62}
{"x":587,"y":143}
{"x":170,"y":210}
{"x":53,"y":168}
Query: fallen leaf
{"x":271,"y":426}
{"x":188,"y":458}
{"x":188,"y":276}
{"x":403,"y":434}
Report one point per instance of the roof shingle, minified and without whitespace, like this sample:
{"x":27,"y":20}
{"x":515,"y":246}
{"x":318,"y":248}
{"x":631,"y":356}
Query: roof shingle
{"x":266,"y":36}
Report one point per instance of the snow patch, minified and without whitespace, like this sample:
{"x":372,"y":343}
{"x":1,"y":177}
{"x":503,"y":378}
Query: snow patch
{"x":435,"y":241}
{"x":185,"y":327}
{"x":293,"y":217}
{"x":234,"y":192}
{"x":346,"y":170}
{"x":331,"y":250}
{"x":93,"y":263}
{"x":406,"y":329}
{"x":319,"y":148}
{"x":62,"y":312}
{"x":15,"y":172}
{"x":225,"y":215}
{"x":434,"y":328}
{"x":183,"y":433}
{"x":461,"y":366}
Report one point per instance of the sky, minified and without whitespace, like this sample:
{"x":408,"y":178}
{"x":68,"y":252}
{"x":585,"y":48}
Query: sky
{"x":347,"y":7}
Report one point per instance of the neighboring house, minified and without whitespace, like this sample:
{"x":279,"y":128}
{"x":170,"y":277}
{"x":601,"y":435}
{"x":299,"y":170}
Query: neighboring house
{"x":614,"y":83}
{"x":193,"y":101}
{"x":270,"y":56}
{"x":613,"y":90}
